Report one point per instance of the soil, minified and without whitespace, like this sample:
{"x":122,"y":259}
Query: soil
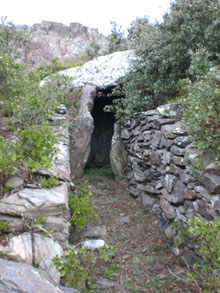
{"x":143,"y":261}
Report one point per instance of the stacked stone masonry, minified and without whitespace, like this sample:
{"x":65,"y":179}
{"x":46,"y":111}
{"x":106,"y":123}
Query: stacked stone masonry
{"x":160,"y":153}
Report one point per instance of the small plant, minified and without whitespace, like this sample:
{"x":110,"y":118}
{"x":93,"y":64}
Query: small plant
{"x":77,"y":265}
{"x":48,"y":182}
{"x":36,"y":146}
{"x":3,"y":227}
{"x":203,"y":112}
{"x":205,"y":235}
{"x":81,"y":205}
{"x":8,"y":159}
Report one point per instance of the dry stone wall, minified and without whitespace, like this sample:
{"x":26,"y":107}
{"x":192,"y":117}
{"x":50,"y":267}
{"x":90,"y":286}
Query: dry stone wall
{"x":159,"y":172}
{"x":23,"y":243}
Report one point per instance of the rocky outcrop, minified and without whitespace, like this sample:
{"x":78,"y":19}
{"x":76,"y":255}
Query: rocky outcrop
{"x":159,"y":172}
{"x":50,"y":39}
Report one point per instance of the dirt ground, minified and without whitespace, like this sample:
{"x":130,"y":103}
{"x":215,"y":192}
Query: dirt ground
{"x":143,"y":261}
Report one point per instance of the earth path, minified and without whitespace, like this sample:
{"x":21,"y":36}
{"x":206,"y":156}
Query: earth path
{"x":143,"y":261}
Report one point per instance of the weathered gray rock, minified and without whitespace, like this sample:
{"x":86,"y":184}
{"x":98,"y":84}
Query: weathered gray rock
{"x":155,"y":158}
{"x":213,"y":168}
{"x":118,"y":157}
{"x":102,"y":283}
{"x":167,"y":208}
{"x":134,"y":191}
{"x":82,"y":133}
{"x":14,"y":182}
{"x":191,"y":154}
{"x":95,"y":231}
{"x":177,"y":151}
{"x":165,"y":142}
{"x":93,"y":243}
{"x":23,"y":278}
{"x":169,"y":182}
{"x":47,"y":202}
{"x":167,"y":157}
{"x":101,"y":72}
{"x":123,"y":220}
{"x":147,"y":202}
{"x":212,"y":183}
{"x":178,"y":192}
{"x":179,"y":161}
{"x":183,"y":141}
{"x":173,"y":130}
{"x":171,"y":110}
{"x":19,"y":248}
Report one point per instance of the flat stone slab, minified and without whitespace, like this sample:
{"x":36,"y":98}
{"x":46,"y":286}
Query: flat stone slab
{"x":19,"y":248}
{"x":14,"y":182}
{"x":103,"y":71}
{"x":102,"y":283}
{"x":95,"y":231}
{"x":93,"y":243}
{"x":123,"y":220}
{"x":47,"y":202}
{"x":21,"y":277}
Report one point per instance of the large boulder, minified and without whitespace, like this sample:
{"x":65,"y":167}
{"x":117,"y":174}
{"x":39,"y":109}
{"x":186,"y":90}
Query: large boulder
{"x":101,"y":72}
{"x":20,"y":248}
{"x":23,"y":278}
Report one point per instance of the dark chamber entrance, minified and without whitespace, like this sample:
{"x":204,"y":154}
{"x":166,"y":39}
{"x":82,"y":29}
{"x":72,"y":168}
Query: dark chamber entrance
{"x":102,"y":134}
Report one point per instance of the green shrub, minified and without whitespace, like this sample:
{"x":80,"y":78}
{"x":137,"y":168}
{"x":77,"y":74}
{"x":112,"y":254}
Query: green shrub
{"x":3,"y":227}
{"x":164,"y":52}
{"x":48,"y":182}
{"x":202,"y":115}
{"x":8,"y":159}
{"x":36,"y":146}
{"x":81,"y":205}
{"x":206,"y":236}
{"x":77,"y":265}
{"x":116,"y":40}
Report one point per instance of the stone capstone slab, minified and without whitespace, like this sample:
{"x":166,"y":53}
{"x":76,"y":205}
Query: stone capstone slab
{"x":103,"y":71}
{"x":19,"y":248}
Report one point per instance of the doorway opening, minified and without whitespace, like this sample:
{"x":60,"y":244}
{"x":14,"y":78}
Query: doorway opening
{"x":103,"y":131}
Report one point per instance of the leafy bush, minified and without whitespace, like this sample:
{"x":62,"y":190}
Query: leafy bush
{"x":77,"y":265}
{"x":81,"y":205}
{"x":164,"y":52}
{"x":36,"y":146}
{"x":3,"y":227}
{"x":11,"y":39}
{"x":202,"y":116}
{"x":48,"y":182}
{"x":206,"y":236}
{"x":116,"y":40}
{"x":8,"y":159}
